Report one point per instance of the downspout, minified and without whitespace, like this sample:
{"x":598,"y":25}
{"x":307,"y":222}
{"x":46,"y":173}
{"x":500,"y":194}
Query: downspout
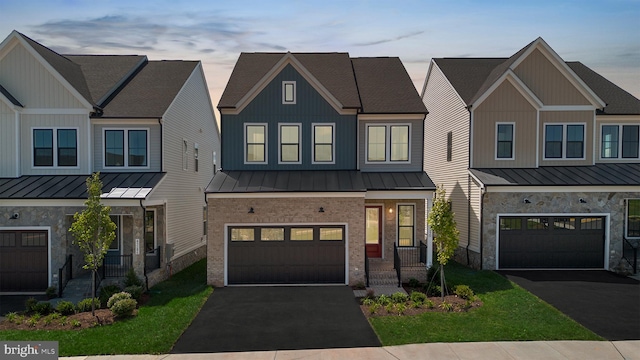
{"x":144,"y":228}
{"x":483,"y":190}
{"x":161,"y":146}
{"x":469,"y":187}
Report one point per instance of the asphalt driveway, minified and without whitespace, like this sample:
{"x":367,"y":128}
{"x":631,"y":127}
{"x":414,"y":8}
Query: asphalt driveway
{"x":277,"y":318}
{"x":604,"y":302}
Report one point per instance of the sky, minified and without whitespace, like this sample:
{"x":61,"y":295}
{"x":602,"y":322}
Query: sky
{"x":604,"y":35}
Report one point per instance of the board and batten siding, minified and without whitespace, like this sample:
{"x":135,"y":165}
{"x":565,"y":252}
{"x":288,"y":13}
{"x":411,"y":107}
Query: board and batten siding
{"x":416,"y":142}
{"x":568,"y":117}
{"x":79,"y":122}
{"x":189,"y":117}
{"x":448,"y":113}
{"x":310,"y":108}
{"x":547,"y":82}
{"x":32,"y":84}
{"x":505,"y":104}
{"x":611,"y":120}
{"x":155,"y":146}
{"x":8,"y":156}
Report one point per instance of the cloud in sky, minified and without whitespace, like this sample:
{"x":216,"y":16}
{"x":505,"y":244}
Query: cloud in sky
{"x":400,"y":37}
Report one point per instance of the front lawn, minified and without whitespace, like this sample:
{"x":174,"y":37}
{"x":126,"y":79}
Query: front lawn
{"x":509,"y":313}
{"x":173,"y":305}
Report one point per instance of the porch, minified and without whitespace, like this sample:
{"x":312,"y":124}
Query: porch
{"x":407,"y":262}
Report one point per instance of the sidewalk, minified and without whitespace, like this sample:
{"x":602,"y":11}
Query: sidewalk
{"x":583,"y":350}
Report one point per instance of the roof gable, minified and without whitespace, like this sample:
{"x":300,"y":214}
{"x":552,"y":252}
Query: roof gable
{"x":6,"y":96}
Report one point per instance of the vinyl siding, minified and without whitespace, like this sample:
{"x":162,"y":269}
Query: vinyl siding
{"x":8,"y":165}
{"x":447,"y":113}
{"x":415,"y":143}
{"x":586,"y":117}
{"x":28,"y":122}
{"x":547,"y":82}
{"x":32,"y":84}
{"x":155,"y":147}
{"x":598,"y":129}
{"x":190,"y":117}
{"x":505,"y":104}
{"x":310,"y":108}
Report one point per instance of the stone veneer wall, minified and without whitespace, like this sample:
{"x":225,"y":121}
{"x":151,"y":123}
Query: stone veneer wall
{"x":611,"y":203}
{"x":285,"y":210}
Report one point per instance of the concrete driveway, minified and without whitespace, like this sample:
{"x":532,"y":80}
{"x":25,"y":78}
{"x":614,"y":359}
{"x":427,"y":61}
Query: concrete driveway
{"x":277,"y":318}
{"x":604,"y":302}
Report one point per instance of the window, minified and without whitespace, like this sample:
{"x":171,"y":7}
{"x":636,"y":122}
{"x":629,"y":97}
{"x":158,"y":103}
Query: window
{"x":301,"y":234}
{"x":633,"y":218}
{"x":504,"y":141}
{"x":449,"y":145}
{"x":272,"y":234}
{"x":376,"y":143}
{"x":591,"y":223}
{"x":65,"y":143}
{"x":30,"y":239}
{"x":406,"y":225}
{"x":289,"y":143}
{"x":115,"y":244}
{"x":255,"y":140}
{"x":615,"y":146}
{"x":149,"y":230}
{"x":564,"y":141}
{"x":288,"y":92}
{"x":132,"y":142}
{"x":400,"y":143}
{"x":537,"y":223}
{"x":510,"y":224}
{"x":185,"y":154}
{"x":630,"y":137}
{"x":242,"y":234}
{"x":204,"y":221}
{"x":195,"y":157}
{"x":564,"y":223}
{"x":330,"y":234}
{"x":387,"y":143}
{"x":323,"y":138}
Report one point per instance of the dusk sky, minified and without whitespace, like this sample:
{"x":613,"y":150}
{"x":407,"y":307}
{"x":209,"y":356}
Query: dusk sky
{"x":604,"y":35}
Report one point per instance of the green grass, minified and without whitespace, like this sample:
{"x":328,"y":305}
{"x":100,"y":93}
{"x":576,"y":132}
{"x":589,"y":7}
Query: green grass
{"x":173,"y":305}
{"x":509,"y":313}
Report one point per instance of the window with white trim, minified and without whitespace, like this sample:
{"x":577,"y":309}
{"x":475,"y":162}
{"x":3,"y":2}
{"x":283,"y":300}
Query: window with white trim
{"x":388,"y":143}
{"x":60,"y":150}
{"x":255,"y":143}
{"x":564,"y":141}
{"x":406,"y":225}
{"x":323,"y":143}
{"x":288,"y":92}
{"x":620,"y":142}
{"x":504,"y":141}
{"x":126,"y":147}
{"x":633,"y":218}
{"x":289,"y":151}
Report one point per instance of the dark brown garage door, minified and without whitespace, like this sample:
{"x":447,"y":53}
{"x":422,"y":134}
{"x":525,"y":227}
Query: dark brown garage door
{"x":286,"y":255}
{"x":23,"y":261}
{"x":571,"y":242}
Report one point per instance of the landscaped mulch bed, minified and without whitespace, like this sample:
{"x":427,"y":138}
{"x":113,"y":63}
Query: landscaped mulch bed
{"x":458,"y":305}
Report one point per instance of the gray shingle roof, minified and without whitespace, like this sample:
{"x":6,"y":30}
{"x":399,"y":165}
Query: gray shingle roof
{"x":316,"y":181}
{"x":74,"y":186}
{"x":607,"y":174}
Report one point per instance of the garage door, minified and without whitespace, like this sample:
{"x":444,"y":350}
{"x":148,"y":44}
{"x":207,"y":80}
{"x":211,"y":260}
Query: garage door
{"x":554,"y":242}
{"x":23,"y":261}
{"x":286,"y":255}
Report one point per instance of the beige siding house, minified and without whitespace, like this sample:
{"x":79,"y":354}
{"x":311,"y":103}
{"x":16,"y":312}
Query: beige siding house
{"x":543,"y":169}
{"x":147,"y":126}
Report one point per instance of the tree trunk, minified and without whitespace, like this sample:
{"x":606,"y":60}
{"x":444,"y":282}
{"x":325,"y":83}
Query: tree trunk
{"x":442,"y":281}
{"x":93,"y":292}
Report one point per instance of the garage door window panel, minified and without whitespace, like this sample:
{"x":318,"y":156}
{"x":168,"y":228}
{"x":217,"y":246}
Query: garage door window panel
{"x":331,"y":234}
{"x":242,"y":234}
{"x":301,"y":234}
{"x":510,"y":224}
{"x":564,"y":223}
{"x":272,"y":234}
{"x":34,"y":239}
{"x":7,"y":240}
{"x":591,"y":223}
{"x":537,"y":224}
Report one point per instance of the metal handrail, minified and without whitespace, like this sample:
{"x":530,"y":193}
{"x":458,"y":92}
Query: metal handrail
{"x":397,"y":264}
{"x":115,"y":265}
{"x":67,"y":270}
{"x":366,"y":266}
{"x":628,"y":246}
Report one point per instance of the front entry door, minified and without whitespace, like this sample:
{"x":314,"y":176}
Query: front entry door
{"x":373,"y":227}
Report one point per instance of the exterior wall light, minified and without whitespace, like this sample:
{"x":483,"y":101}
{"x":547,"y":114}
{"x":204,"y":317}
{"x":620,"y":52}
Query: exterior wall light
{"x":582,"y":201}
{"x":321,"y":209}
{"x":251,"y":211}
{"x":526,"y":201}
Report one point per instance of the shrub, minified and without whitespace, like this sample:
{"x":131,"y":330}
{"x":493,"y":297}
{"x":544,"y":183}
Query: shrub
{"x":132,"y":279}
{"x":399,"y":297}
{"x":85,"y":305}
{"x":12,"y":317}
{"x":418,"y":297}
{"x":135,"y":291}
{"x":429,"y":304}
{"x":30,"y":304}
{"x":368,"y":302}
{"x":117,"y":297}
{"x":446,"y":306}
{"x":66,"y":308}
{"x":414,"y":283}
{"x":373,"y":308}
{"x":32,"y":322}
{"x":106,"y":292}
{"x":76,"y":323}
{"x":464,"y":292}
{"x":123,"y":307}
{"x":384,"y":300}
{"x":42,"y":308}
{"x":51,"y":292}
{"x":401,"y":308}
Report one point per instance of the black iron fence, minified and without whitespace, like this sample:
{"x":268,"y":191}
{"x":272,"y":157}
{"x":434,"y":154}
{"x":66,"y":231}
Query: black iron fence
{"x":411,"y":256}
{"x":152,"y":260}
{"x":366,"y":266}
{"x":65,"y":273}
{"x":630,"y":253}
{"x":397,"y":264}
{"x":115,"y":266}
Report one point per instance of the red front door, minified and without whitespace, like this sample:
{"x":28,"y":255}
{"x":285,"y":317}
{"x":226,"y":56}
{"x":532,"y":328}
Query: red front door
{"x":373,"y":230}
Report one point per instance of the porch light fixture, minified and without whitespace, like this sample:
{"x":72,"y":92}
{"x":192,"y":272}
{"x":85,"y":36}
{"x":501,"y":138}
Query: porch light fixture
{"x":15,"y":216}
{"x":251,"y":210}
{"x":582,"y":201}
{"x":321,"y":209}
{"x":390,"y":210}
{"x":526,"y":201}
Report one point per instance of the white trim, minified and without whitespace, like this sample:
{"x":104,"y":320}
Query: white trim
{"x":513,"y":140}
{"x":54,"y":131}
{"x":564,"y":141}
{"x":313,"y":144}
{"x":567,"y":108}
{"x":562,"y":189}
{"x":398,"y":194}
{"x":397,"y":220}
{"x":125,"y":148}
{"x":390,"y":117}
{"x":54,"y":111}
{"x":513,"y":79}
{"x":37,"y":228}
{"x":18,"y":165}
{"x":537,"y":139}
{"x":619,"y":140}
{"x":286,"y":195}
{"x":299,"y":125}
{"x":226,"y":242}
{"x":606,"y":229}
{"x":617,"y":117}
{"x":284,"y":93}
{"x":626,"y":219}
{"x":387,"y":143}
{"x":266,"y":144}
{"x":471,"y":151}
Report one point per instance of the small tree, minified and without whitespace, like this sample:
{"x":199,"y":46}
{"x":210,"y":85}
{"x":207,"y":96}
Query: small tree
{"x":93,"y":231}
{"x":442,"y":222}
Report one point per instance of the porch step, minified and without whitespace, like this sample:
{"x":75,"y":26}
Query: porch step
{"x":383,"y":277}
{"x":77,"y":289}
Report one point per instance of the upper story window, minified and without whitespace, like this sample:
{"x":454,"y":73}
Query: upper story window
{"x":126,"y":148}
{"x":615,"y":146}
{"x":633,"y":218}
{"x":55,"y":147}
{"x":289,"y":143}
{"x":564,"y":141}
{"x":504,"y":141}
{"x":323,"y":140}
{"x":288,"y":92}
{"x":387,"y":143}
{"x":255,"y":143}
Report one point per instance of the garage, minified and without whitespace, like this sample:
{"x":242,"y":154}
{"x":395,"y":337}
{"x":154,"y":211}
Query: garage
{"x":551,"y":242}
{"x":300,"y":254}
{"x":23,"y":260}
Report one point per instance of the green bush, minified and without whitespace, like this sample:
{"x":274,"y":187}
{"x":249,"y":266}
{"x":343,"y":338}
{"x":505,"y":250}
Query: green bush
{"x":418,"y":297}
{"x":135,"y":291}
{"x":42,"y":308}
{"x":132,"y":279}
{"x":414,"y":283}
{"x":399,"y":297}
{"x":446,"y":306}
{"x":85,"y":305}
{"x":30,"y":304}
{"x":117,"y":297}
{"x":51,"y":292}
{"x":66,"y":308}
{"x":123,"y":307}
{"x":368,"y":302}
{"x":464,"y":292}
{"x":384,"y":300}
{"x":106,"y":292}
{"x":433,"y":290}
{"x":429,"y":304}
{"x":401,"y":308}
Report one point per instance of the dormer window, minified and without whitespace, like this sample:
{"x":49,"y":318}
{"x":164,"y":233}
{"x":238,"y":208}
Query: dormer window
{"x":288,"y":92}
